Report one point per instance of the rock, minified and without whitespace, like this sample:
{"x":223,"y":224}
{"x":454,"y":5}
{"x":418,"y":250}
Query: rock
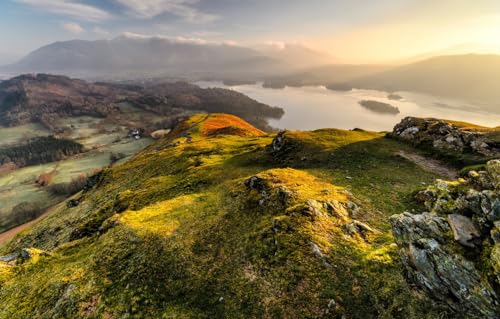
{"x":72,"y":203}
{"x":316,"y":250}
{"x":445,"y":137}
{"x":409,"y":132}
{"x":453,"y":251}
{"x":464,"y":230}
{"x":358,"y":228}
{"x":319,"y":254}
{"x":8,"y":258}
{"x":493,"y":169}
{"x":279,"y":142}
{"x":313,"y":208}
{"x":334,"y":208}
{"x":433,"y":265}
{"x":255,"y":182}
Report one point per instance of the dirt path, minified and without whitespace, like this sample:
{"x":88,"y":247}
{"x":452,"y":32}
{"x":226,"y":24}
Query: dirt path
{"x":4,"y":237}
{"x":430,"y":165}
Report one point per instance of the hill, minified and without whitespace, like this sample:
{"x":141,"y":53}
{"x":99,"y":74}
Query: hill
{"x":43,"y":98}
{"x":224,"y":221}
{"x":60,"y":130}
{"x":473,"y":78}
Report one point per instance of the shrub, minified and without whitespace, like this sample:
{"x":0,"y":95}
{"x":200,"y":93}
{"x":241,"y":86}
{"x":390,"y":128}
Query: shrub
{"x":44,"y":179}
{"x":66,"y":189}
{"x":115,"y":157}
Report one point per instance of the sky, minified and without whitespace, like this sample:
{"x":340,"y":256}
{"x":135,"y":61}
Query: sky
{"x":352,"y":31}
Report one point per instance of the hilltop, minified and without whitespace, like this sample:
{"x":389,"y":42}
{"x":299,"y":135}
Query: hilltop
{"x":222,"y":220}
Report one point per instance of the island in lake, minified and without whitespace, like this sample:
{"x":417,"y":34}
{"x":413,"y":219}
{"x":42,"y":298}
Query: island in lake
{"x":394,"y":97}
{"x":379,"y":107}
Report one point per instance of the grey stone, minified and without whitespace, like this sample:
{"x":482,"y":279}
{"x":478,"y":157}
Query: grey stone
{"x":464,"y":230}
{"x":446,"y":276}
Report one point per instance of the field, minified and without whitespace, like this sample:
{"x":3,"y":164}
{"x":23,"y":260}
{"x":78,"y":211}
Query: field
{"x":100,"y":141}
{"x":18,"y":134}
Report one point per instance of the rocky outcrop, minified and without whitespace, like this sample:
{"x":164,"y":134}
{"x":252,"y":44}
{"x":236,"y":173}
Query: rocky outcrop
{"x":269,"y":193}
{"x":448,"y":137}
{"x":453,"y":251}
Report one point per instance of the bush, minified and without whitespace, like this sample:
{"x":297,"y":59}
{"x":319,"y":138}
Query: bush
{"x":44,"y":179}
{"x":115,"y":157}
{"x":66,"y":189}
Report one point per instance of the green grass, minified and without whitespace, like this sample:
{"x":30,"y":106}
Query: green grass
{"x":175,"y":233}
{"x":17,"y":134}
{"x":19,"y":186}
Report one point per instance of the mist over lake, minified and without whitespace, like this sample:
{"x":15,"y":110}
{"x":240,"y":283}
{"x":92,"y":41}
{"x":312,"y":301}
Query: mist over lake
{"x":309,"y":108}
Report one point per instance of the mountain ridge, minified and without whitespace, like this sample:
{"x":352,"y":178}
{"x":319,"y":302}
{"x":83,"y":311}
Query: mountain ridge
{"x":140,"y":55}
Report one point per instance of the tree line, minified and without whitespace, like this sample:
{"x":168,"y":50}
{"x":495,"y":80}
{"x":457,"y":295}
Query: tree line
{"x":39,"y":150}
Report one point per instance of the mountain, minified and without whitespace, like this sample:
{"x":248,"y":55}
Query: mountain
{"x":459,"y":49}
{"x":222,"y":220}
{"x":326,"y":75}
{"x":296,"y":55}
{"x":44,"y":98}
{"x":472,"y":77}
{"x":133,"y":55}
{"x":30,"y":98}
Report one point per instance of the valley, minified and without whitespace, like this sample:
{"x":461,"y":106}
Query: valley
{"x":57,"y":132}
{"x":223,"y":159}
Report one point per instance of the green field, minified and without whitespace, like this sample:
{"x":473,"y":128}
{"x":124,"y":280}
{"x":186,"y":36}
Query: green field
{"x":19,"y":186}
{"x":18,"y":134}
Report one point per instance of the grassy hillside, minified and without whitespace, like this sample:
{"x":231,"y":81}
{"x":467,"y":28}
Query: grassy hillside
{"x":221,"y":221}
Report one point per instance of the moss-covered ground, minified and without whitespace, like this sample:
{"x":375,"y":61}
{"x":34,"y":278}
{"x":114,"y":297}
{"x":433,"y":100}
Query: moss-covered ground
{"x":177,"y":233}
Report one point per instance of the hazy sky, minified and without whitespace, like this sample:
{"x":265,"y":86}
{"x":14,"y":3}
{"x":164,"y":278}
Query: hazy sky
{"x":353,"y":30}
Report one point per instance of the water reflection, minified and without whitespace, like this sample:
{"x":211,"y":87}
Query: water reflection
{"x":310,"y":108}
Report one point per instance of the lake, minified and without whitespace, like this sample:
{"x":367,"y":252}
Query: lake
{"x":309,"y":108}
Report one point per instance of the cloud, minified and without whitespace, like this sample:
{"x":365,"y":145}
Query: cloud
{"x":178,"y":39}
{"x":68,"y":8}
{"x":73,"y":27}
{"x":100,"y":31}
{"x":182,"y":8}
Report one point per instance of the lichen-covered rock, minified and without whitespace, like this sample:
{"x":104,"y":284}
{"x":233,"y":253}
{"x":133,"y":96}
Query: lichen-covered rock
{"x":431,"y":261}
{"x":447,"y":137}
{"x":271,"y":192}
{"x":464,"y":230}
{"x":453,"y":251}
{"x":279,"y":142}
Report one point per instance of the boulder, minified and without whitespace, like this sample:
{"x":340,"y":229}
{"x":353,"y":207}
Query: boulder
{"x":433,"y":264}
{"x":452,"y":252}
{"x":464,"y":230}
{"x":279,"y":142}
{"x":446,"y":137}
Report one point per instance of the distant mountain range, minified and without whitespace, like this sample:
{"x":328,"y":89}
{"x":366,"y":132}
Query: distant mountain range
{"x":134,"y":55}
{"x":474,"y":78}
